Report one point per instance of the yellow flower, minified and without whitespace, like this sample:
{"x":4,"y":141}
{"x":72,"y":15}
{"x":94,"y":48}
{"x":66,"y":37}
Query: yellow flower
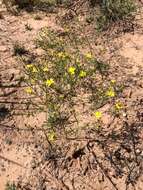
{"x":49,"y":82}
{"x":82,"y":74}
{"x":60,"y":39}
{"x":71,"y":70}
{"x":80,"y":19}
{"x":45,"y":69}
{"x":32,"y":81}
{"x":113,"y":81}
{"x":119,"y":105}
{"x":66,"y":29}
{"x":51,"y":52}
{"x":34,"y":70}
{"x":29,"y":90}
{"x":78,"y":61}
{"x":29,"y":66}
{"x":88,"y":55}
{"x":62,"y":55}
{"x":61,"y":96}
{"x":110,"y":93}
{"x":51,"y":136}
{"x":98,"y":114}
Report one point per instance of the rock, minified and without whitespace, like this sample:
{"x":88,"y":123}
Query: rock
{"x":138,"y":151}
{"x":40,"y":51}
{"x":141,"y":154}
{"x":127,"y":93}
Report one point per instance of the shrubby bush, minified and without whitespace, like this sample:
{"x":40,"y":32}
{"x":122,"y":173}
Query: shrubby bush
{"x":113,"y":10}
{"x":62,"y":75}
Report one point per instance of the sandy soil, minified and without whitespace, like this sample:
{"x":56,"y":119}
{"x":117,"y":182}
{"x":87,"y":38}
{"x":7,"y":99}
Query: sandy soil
{"x":16,"y":145}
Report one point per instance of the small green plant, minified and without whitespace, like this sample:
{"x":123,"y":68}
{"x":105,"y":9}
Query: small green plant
{"x":24,"y":3}
{"x":114,"y":10}
{"x":19,"y":49}
{"x":10,"y":186}
{"x":29,"y":5}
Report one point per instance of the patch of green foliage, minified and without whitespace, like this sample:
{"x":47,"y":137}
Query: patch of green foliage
{"x":114,"y":10}
{"x":24,"y":3}
{"x":29,"y":5}
{"x":10,"y":186}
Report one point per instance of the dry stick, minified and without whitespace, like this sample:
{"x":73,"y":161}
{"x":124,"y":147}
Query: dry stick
{"x":9,"y":93}
{"x":13,"y":162}
{"x":103,"y":170}
{"x":7,"y":127}
{"x":128,"y":176}
{"x":133,"y":141}
{"x":49,"y":143}
{"x":60,"y":183}
{"x":11,"y":85}
{"x":134,"y":146}
{"x":77,"y":5}
{"x":12,"y":102}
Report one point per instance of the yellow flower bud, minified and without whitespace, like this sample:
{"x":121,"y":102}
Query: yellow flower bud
{"x":98,"y":114}
{"x":29,"y":90}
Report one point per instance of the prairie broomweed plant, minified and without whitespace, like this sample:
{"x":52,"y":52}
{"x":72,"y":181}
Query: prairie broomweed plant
{"x":49,"y":82}
{"x":61,"y":77}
